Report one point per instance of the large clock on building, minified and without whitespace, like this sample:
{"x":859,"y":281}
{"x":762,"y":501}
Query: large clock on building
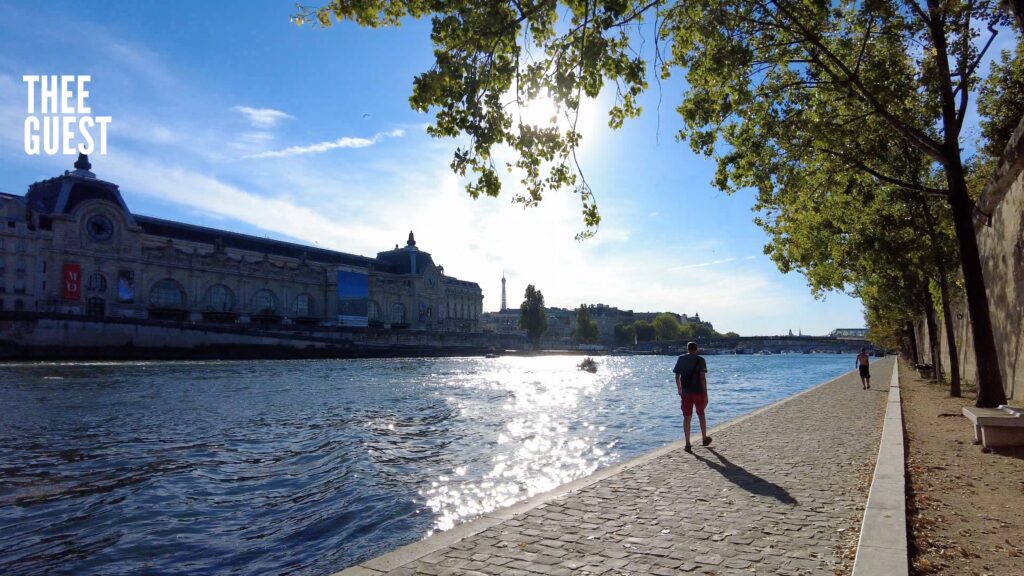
{"x":99,"y":227}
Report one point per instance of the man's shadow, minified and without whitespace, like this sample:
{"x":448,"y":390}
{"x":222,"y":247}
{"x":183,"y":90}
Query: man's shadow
{"x":746,"y":480}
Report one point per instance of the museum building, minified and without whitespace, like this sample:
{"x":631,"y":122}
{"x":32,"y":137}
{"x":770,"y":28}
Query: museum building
{"x":70,"y":245}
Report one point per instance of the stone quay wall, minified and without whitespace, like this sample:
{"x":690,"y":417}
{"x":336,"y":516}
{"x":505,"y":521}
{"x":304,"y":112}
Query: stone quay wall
{"x":999,"y":225}
{"x":29,"y":336}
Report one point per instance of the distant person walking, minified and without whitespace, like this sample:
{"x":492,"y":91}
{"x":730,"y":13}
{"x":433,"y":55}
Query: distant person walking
{"x":692,"y":385}
{"x":862,"y":363}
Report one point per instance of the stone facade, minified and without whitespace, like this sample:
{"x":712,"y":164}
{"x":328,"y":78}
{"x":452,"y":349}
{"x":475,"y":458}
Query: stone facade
{"x":70,"y":245}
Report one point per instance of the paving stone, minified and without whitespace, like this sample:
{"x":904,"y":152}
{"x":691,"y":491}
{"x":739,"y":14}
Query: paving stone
{"x":713,"y":559}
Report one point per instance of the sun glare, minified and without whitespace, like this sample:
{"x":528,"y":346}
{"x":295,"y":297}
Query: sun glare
{"x":541,"y":111}
{"x":544,"y":112}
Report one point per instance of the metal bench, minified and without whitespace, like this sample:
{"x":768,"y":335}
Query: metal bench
{"x":997,"y":427}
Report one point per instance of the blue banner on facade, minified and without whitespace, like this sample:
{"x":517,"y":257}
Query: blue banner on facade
{"x":126,"y":287}
{"x":353,"y":298}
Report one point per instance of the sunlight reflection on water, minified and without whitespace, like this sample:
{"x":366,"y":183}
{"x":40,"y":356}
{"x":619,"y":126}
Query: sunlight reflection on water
{"x":546,"y":439}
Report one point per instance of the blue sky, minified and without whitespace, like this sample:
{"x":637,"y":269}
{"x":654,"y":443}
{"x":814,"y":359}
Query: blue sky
{"x":227,"y":115}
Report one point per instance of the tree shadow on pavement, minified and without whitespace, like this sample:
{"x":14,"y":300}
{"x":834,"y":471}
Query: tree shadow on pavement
{"x":746,"y":480}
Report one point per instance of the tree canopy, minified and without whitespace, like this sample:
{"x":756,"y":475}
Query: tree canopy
{"x":532,"y":316}
{"x":666,"y":326}
{"x":587,"y":330}
{"x":1000,"y":103}
{"x":625,"y":334}
{"x":753,"y":68}
{"x":644,"y":331}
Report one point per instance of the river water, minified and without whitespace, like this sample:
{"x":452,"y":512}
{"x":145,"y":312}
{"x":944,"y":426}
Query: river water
{"x":306,"y":467}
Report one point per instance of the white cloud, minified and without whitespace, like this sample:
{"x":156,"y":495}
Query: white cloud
{"x":321,"y":147}
{"x":702,"y":264}
{"x":213,"y":196}
{"x":262,"y":117}
{"x":256,"y":137}
{"x":144,"y":129}
{"x":139,"y":60}
{"x":252,"y":142}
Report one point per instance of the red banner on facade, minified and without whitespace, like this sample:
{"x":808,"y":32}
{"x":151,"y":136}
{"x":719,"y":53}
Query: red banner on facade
{"x":72,"y":281}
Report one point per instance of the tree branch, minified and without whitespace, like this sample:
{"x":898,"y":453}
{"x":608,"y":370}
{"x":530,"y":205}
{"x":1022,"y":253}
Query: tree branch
{"x":913,"y":135}
{"x":884,"y":178}
{"x":966,"y":78}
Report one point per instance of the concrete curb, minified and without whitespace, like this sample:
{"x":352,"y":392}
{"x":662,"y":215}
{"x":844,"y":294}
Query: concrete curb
{"x":882,"y":549}
{"x":411,"y":552}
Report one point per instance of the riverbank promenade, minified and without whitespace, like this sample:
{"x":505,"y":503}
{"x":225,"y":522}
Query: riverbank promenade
{"x":779,"y":491}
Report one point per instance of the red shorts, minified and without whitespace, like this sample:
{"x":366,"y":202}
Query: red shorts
{"x":691,"y":401}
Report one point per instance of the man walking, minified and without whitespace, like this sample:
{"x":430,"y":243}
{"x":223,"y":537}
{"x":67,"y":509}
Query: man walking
{"x":692,"y":385}
{"x":862,"y":363}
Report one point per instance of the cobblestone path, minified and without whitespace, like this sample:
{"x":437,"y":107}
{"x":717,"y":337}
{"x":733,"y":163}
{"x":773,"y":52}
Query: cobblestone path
{"x":769,"y":496}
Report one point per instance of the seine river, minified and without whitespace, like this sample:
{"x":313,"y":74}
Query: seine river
{"x":306,"y":467}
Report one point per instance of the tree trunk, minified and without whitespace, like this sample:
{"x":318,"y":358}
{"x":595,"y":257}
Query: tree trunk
{"x":942,"y":272}
{"x":990,"y":380}
{"x":933,"y":335}
{"x":947,"y":317}
{"x":1017,"y":6}
{"x":989,"y":377}
{"x":913,"y":344}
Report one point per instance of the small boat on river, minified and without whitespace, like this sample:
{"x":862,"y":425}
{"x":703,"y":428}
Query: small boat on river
{"x":588,"y":364}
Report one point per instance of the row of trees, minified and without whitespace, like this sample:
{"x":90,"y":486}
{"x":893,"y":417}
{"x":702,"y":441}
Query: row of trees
{"x":846,"y":118}
{"x":663,"y":327}
{"x":534,"y":320}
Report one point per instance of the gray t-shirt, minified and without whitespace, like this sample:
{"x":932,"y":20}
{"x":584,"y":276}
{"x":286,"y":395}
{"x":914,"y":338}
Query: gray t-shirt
{"x":689,"y":367}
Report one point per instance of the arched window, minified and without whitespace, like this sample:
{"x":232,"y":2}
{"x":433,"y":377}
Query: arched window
{"x":398,"y":313}
{"x":219,"y":298}
{"x":97,"y":283}
{"x":264,"y":302}
{"x":373,"y":310}
{"x":302,"y":305}
{"x":167,"y":293}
